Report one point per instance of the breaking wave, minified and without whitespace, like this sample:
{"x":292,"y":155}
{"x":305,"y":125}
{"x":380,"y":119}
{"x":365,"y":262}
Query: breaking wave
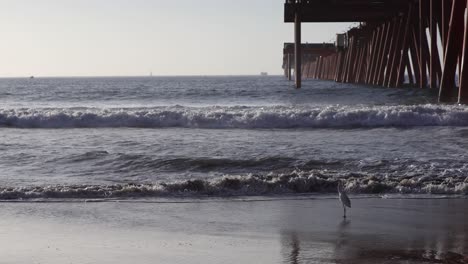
{"x":281,"y":117}
{"x":296,"y":182}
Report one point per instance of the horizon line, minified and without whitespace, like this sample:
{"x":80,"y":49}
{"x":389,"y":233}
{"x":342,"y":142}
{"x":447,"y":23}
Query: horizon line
{"x":136,"y":76}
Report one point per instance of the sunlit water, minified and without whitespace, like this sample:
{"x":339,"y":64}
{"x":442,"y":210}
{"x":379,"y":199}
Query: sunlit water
{"x":217,"y":136}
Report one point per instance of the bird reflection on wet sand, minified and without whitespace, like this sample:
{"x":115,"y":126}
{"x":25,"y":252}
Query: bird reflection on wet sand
{"x":406,"y":237}
{"x":341,"y":234}
{"x":293,"y":244}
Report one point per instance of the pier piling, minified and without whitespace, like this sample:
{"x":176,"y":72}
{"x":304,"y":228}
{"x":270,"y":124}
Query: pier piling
{"x":297,"y":49}
{"x":396,"y":44}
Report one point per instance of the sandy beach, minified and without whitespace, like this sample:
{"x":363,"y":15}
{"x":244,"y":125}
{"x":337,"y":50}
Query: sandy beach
{"x":292,"y":230}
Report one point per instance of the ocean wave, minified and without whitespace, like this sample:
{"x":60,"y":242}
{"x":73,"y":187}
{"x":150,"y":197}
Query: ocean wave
{"x":134,"y":162}
{"x":296,"y":182}
{"x":243,"y":117}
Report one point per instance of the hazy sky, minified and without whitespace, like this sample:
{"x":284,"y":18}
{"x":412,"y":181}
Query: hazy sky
{"x":134,"y":37}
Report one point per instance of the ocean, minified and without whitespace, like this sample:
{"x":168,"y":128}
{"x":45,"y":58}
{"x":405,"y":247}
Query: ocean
{"x":170,"y":137}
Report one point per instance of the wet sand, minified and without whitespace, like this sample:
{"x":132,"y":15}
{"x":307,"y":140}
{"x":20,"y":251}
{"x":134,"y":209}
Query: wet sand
{"x":302,"y":230}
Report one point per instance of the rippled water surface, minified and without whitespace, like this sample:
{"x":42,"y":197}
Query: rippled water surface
{"x":151,"y":137}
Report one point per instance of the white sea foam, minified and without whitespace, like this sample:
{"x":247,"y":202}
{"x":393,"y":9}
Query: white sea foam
{"x":239,"y":117}
{"x":296,"y":182}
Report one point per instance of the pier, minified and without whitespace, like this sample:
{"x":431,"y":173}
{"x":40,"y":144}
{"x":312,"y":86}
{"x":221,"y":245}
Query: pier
{"x":419,"y":43}
{"x":311,"y":55}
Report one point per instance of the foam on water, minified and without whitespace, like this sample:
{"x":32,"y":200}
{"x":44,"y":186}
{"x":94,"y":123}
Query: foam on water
{"x":239,"y":117}
{"x":296,"y":182}
{"x":258,"y":137}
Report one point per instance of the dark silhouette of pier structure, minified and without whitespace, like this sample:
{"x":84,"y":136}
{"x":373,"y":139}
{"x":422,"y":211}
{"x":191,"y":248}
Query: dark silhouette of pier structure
{"x":311,"y":56}
{"x":421,"y":43}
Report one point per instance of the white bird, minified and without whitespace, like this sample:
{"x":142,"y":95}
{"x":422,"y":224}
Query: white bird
{"x":343,"y":198}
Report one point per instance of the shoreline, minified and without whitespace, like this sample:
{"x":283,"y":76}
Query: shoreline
{"x":216,"y":199}
{"x":273,"y":231}
{"x":194,"y":198}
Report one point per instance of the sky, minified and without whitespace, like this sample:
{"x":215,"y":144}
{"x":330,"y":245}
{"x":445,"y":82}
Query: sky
{"x":136,"y":37}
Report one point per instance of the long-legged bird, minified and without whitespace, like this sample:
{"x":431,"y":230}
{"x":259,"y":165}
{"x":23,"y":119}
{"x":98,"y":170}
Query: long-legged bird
{"x":343,"y":198}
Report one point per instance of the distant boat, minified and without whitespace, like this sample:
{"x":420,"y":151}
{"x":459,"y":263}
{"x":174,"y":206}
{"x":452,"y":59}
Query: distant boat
{"x":264,"y":74}
{"x":32,"y":77}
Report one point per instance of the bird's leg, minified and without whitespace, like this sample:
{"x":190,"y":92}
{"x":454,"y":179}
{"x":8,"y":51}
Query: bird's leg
{"x":344,"y":209}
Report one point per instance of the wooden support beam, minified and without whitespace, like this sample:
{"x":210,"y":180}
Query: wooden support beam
{"x":312,"y":70}
{"x":416,"y":53}
{"x":333,"y":67}
{"x":345,"y":66}
{"x":351,"y":60}
{"x":403,"y":56}
{"x":316,"y":74}
{"x":433,"y":33}
{"x":459,"y":66}
{"x":361,"y":74}
{"x":305,"y":65}
{"x":372,"y":55}
{"x":343,"y":10}
{"x":463,"y":90}
{"x":369,"y":58}
{"x":289,"y":70}
{"x":385,"y":52}
{"x":414,"y":56}
{"x":309,"y":66}
{"x":396,"y":54}
{"x":309,"y":69}
{"x":322,"y":68}
{"x":410,"y":71}
{"x":438,"y":16}
{"x":354,"y":61}
{"x":297,"y":49}
{"x":339,"y":67}
{"x":426,"y":57}
{"x":435,"y":67}
{"x":422,"y":37}
{"x":319,"y":72}
{"x":317,"y":64}
{"x":359,"y":64}
{"x":454,"y":44}
{"x":446,"y":12}
{"x":391,"y":51}
{"x":348,"y":62}
{"x":325,"y":69}
{"x":365,"y":62}
{"x":379,"y":52}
